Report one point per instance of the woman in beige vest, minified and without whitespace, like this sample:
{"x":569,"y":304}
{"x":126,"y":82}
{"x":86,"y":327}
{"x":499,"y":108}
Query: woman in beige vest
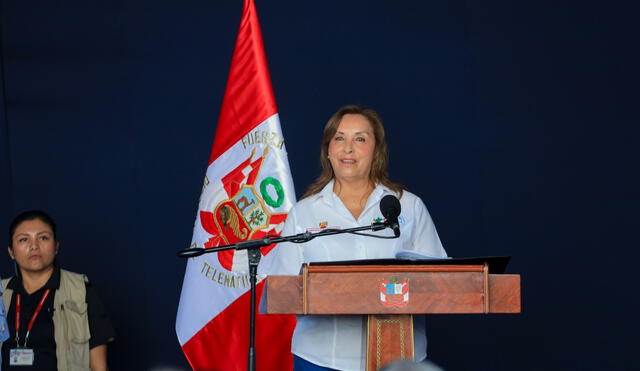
{"x":62,"y":324}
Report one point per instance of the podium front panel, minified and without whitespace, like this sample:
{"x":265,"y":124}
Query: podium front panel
{"x":395,"y":293}
{"x":394,"y":290}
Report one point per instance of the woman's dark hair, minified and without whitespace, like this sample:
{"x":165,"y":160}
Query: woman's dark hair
{"x":31,"y":215}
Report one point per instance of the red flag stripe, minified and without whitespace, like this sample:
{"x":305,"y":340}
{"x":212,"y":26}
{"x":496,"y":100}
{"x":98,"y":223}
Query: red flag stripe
{"x":209,"y":345}
{"x":248,"y":98}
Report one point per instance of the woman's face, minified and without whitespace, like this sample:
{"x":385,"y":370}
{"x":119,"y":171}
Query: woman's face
{"x":351,"y":149}
{"x":33,"y":246}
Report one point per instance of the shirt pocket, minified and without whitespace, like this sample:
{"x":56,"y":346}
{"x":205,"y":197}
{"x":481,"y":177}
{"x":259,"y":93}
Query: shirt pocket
{"x":77,"y":317}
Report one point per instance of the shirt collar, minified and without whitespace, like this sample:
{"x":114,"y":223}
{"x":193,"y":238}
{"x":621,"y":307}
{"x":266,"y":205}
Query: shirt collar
{"x":376,"y":195}
{"x":374,"y":198}
{"x":53,"y":282}
{"x":327,"y":192}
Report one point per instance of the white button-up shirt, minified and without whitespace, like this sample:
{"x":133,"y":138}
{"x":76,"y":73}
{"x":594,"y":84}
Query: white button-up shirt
{"x":339,"y":342}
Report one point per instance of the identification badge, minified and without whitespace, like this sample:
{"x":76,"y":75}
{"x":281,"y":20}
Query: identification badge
{"x":21,"y":357}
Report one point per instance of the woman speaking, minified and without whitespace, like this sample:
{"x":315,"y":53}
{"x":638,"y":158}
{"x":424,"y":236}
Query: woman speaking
{"x":347,"y":194}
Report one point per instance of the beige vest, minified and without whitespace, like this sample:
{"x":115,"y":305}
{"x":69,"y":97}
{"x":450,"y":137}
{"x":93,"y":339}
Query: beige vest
{"x":70,"y":321}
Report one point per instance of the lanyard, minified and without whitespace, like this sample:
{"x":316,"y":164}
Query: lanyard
{"x":33,"y":317}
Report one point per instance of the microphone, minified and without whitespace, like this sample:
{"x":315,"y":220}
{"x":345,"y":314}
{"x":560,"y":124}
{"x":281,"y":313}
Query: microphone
{"x":390,"y":209}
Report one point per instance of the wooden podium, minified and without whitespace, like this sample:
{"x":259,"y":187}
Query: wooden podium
{"x":389,"y":295}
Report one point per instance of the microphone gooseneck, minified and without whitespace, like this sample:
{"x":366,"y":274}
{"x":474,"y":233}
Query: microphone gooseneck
{"x":389,"y":207}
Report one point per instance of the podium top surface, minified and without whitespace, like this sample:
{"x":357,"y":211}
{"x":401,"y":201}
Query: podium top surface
{"x":497,"y":264}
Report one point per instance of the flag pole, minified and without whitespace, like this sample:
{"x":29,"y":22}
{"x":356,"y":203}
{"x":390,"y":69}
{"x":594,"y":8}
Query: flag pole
{"x":254,"y":259}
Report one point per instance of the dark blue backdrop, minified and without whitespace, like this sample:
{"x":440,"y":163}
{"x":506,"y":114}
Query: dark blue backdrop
{"x":515,"y":121}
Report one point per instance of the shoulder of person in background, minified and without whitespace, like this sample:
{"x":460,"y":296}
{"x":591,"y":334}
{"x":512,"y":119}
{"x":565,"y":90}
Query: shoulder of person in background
{"x":4,"y":328}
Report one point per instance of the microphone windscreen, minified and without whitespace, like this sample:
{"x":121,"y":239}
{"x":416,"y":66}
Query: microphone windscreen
{"x":390,"y":207}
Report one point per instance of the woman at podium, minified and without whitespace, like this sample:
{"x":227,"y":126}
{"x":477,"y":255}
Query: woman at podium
{"x":56,"y":320}
{"x":353,"y":180}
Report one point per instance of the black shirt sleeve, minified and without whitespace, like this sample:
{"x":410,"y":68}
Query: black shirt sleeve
{"x":102,"y":331}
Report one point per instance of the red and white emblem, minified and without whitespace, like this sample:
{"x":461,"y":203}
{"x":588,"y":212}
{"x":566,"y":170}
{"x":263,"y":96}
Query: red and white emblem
{"x":244,"y":214}
{"x":394,"y":292}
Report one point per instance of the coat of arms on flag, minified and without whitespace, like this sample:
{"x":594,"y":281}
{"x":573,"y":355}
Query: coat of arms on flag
{"x":394,"y":292}
{"x":244,"y":215}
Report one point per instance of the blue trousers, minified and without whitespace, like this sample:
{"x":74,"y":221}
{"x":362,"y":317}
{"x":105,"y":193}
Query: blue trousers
{"x":300,"y":364}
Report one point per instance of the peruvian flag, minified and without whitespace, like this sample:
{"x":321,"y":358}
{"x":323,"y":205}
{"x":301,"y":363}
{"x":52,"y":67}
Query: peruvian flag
{"x":247,"y":193}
